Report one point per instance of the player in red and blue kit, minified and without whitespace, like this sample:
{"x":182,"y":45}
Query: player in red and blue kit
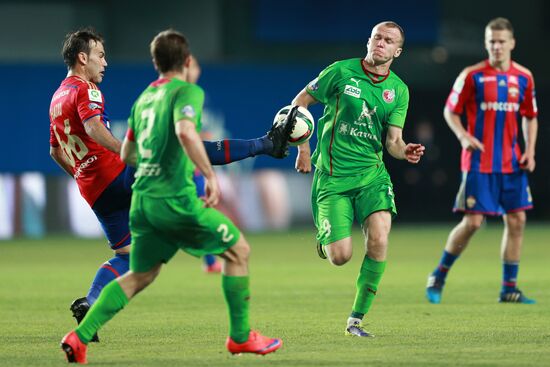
{"x":496,"y":96}
{"x":82,"y":144}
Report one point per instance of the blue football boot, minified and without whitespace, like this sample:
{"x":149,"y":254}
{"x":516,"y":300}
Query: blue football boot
{"x":434,"y":288}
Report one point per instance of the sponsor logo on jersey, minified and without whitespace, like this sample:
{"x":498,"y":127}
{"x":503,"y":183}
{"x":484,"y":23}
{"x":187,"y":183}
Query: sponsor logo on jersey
{"x":148,"y":170}
{"x":313,"y":85}
{"x":188,"y":111}
{"x":470,"y":201}
{"x":94,"y":95}
{"x":152,"y":96}
{"x":388,"y":95}
{"x":345,"y":129}
{"x":350,"y":90}
{"x":61,"y":94}
{"x":366,"y":114}
{"x":502,"y":83}
{"x":356,"y":81}
{"x":94,"y":106}
{"x":84,"y":165}
{"x":484,"y":79}
{"x":499,"y":106}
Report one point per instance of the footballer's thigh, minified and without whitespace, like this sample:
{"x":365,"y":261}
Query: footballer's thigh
{"x":150,"y":246}
{"x":333,"y":217}
{"x":186,"y":224}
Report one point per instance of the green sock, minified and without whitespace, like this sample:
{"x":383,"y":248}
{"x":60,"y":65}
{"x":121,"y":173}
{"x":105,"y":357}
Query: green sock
{"x":111,"y":300}
{"x":367,"y":284}
{"x":237,"y":295}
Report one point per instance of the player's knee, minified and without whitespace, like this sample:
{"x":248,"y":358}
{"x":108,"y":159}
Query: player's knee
{"x":124,"y":250}
{"x":338,"y":255}
{"x":241,"y":250}
{"x":377,"y":240}
{"x":515,"y":222}
{"x":338,"y":260}
{"x":473,"y":223}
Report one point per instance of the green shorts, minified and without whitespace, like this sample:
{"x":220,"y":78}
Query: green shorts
{"x":162,"y":226}
{"x":336,"y":201}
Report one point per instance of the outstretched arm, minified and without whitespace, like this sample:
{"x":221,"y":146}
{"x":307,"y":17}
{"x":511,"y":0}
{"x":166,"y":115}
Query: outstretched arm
{"x":395,"y":145}
{"x":303,"y":160}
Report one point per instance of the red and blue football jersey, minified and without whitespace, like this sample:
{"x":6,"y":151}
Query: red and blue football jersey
{"x":493,"y":103}
{"x":94,"y":167}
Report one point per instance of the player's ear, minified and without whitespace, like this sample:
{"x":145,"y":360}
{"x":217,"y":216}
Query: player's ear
{"x":187,"y":61}
{"x":155,"y":64}
{"x":82,"y":57}
{"x":397,"y":52}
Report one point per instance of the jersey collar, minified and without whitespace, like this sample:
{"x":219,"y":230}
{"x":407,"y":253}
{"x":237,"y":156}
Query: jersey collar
{"x":375,"y":78}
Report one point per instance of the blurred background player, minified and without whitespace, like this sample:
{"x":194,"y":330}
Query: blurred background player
{"x":82,"y":144}
{"x":363,"y":100}
{"x":166,"y":214}
{"x":493,"y":94}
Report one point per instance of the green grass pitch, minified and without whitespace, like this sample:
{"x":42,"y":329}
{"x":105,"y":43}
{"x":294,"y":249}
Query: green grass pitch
{"x":181,"y":319}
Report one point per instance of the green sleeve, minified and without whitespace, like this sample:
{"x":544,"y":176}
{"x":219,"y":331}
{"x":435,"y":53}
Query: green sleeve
{"x":324,"y":86}
{"x":399,"y":113}
{"x":188,"y":104}
{"x":131,"y":118}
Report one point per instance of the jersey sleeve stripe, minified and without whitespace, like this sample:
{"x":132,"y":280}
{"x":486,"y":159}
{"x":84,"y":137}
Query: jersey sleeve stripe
{"x":84,"y":121}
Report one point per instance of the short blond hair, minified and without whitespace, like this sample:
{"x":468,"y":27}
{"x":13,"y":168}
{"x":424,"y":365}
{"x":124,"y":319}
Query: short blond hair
{"x":500,"y":24}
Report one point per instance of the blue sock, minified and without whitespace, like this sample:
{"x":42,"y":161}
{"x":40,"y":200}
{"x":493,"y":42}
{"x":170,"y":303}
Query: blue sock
{"x":444,"y":266}
{"x":231,"y":150}
{"x":509,"y":276}
{"x":110,"y":270}
{"x":209,"y":259}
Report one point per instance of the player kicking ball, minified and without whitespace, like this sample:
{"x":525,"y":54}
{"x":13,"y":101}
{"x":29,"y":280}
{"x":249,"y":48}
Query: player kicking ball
{"x":165,"y":214}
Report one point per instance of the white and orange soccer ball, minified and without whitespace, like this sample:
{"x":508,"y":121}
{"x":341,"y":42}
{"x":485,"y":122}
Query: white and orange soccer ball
{"x":305,"y":124}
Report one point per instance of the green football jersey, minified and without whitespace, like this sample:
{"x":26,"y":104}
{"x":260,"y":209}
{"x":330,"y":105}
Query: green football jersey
{"x":163,"y":168}
{"x":358,"y":110}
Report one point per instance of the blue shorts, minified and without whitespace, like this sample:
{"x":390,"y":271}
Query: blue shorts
{"x":493,"y":193}
{"x":112,"y":209}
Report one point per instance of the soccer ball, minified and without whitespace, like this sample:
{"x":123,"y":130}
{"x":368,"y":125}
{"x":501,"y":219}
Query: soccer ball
{"x":305,"y":125}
